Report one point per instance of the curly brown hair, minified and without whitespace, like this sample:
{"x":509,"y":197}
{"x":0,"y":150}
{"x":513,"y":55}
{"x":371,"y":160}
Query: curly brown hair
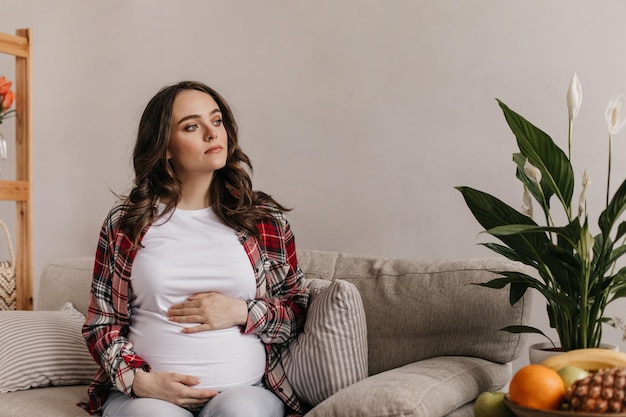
{"x":231,"y":194}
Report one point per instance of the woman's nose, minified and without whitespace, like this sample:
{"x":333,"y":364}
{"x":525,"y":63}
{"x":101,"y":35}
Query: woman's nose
{"x":211,"y":135}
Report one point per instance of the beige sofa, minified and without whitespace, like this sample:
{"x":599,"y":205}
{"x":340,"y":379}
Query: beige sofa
{"x":433,"y":338}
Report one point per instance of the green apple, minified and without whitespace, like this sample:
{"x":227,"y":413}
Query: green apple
{"x":491,"y":404}
{"x":570,"y":374}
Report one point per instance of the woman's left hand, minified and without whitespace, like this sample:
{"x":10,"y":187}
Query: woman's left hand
{"x":212,"y":310}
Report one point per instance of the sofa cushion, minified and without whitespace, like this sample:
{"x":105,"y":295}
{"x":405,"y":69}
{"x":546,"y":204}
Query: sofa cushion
{"x":408,"y":306}
{"x":42,"y":348}
{"x":44,"y":402}
{"x":331,"y":352}
{"x":66,"y":280}
{"x":430,"y":388}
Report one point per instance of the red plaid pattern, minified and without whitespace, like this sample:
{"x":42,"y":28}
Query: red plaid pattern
{"x":276,"y":315}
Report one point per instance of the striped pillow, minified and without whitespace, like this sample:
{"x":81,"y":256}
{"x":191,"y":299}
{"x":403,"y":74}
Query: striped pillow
{"x":331,"y":352}
{"x":42,"y":348}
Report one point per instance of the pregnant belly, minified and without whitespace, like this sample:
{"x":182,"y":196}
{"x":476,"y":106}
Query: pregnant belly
{"x":221,"y":359}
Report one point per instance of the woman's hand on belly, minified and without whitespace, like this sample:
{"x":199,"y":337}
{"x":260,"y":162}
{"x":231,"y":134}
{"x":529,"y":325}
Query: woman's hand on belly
{"x":172,"y":387}
{"x":211,"y":310}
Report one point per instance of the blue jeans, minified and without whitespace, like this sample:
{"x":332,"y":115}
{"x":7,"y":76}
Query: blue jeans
{"x":245,"y":401}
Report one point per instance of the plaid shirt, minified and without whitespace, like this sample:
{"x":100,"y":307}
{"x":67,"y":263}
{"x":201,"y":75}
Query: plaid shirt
{"x":276,"y":315}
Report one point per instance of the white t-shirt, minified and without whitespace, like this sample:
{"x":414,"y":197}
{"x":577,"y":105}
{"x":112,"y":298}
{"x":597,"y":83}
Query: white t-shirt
{"x":193,"y":252}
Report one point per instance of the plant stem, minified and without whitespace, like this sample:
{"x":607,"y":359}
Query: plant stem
{"x":6,"y":115}
{"x":584,"y":307}
{"x":608,"y":177}
{"x":546,"y":210}
{"x":569,"y":140}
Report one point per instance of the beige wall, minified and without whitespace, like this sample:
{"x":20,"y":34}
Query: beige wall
{"x":362,"y":115}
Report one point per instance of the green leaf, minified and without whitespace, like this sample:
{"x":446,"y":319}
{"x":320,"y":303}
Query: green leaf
{"x":571,"y":235}
{"x":526,"y":329}
{"x":618,"y":284}
{"x":517,"y":291}
{"x":621,"y":230}
{"x":564,"y":268}
{"x":615,"y":209}
{"x":491,"y":212}
{"x":619,"y":279}
{"x":617,"y":253}
{"x":601,"y":252}
{"x":496,"y":283}
{"x":609,"y":321}
{"x":522,"y":329}
{"x":543,"y":153}
{"x":621,"y":293}
{"x":515,"y":229}
{"x":509,"y":253}
{"x":520,"y":282}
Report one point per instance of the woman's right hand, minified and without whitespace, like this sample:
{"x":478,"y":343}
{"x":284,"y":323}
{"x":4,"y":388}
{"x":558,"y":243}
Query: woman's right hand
{"x":172,"y":387}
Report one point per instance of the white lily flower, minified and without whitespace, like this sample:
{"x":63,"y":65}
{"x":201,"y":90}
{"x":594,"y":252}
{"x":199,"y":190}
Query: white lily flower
{"x":527,"y":203}
{"x":532,"y":172}
{"x":615,"y":117}
{"x":582,"y":200}
{"x":588,"y":242}
{"x":574,"y":97}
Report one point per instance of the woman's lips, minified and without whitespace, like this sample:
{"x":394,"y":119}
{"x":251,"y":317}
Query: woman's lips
{"x":214,"y":149}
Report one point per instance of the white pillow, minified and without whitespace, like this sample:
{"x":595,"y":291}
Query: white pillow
{"x":42,"y":348}
{"x":331,"y":352}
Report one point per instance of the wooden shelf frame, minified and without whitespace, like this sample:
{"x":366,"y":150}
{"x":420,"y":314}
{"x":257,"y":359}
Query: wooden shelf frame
{"x":20,"y":190}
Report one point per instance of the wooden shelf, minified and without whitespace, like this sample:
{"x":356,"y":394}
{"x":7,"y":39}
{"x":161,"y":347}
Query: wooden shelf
{"x":17,"y":45}
{"x":14,"y":190}
{"x":20,"y":190}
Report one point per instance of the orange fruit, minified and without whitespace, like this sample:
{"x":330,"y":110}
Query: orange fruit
{"x":538,"y":387}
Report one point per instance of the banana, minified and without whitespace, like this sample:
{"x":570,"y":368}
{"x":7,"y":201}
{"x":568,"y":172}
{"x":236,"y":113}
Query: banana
{"x":590,"y":359}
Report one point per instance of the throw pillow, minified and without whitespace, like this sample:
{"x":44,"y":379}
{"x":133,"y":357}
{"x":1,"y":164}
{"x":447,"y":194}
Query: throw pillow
{"x":331,"y":352}
{"x":42,"y":348}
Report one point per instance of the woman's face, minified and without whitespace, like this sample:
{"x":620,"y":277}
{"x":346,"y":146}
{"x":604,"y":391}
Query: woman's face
{"x":198,"y":142}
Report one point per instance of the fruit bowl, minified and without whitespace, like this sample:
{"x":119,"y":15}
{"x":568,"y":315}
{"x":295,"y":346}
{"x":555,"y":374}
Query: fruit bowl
{"x":531,"y":412}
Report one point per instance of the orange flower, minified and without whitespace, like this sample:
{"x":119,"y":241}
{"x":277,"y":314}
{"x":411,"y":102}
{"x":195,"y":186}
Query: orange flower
{"x":5,"y":86}
{"x":7,"y":100}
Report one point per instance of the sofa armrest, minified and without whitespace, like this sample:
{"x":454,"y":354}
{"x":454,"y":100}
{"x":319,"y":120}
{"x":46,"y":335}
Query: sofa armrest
{"x":429,"y":388}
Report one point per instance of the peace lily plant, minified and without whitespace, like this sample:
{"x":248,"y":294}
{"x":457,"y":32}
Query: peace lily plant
{"x":576,"y":272}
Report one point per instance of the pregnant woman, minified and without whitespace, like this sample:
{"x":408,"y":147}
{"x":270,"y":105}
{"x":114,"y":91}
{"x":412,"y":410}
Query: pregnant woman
{"x":196,"y":285}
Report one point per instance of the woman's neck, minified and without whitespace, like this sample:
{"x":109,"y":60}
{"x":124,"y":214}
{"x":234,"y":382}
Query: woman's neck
{"x":195,"y":193}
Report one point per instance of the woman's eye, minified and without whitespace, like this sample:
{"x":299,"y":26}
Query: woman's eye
{"x":191,"y":128}
{"x":217,"y":122}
